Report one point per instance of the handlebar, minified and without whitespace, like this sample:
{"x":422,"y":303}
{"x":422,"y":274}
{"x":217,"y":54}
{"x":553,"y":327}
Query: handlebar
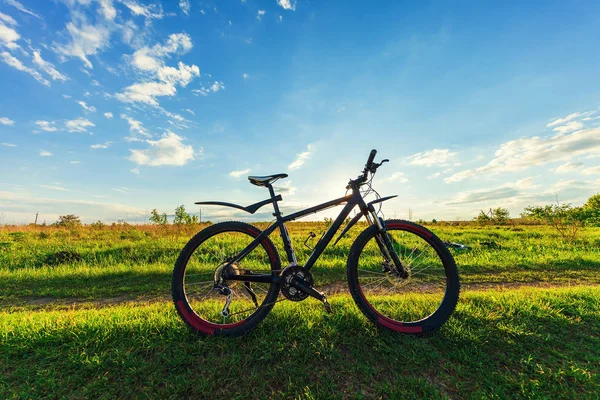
{"x":370,"y":166}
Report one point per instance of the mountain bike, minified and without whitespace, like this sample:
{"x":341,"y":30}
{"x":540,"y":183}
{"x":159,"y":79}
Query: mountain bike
{"x":229,"y":276}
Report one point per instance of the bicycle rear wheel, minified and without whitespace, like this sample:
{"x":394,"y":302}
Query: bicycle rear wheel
{"x":419,"y":303}
{"x":239,"y":306}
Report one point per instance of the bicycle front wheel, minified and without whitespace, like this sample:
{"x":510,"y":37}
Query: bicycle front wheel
{"x":235,"y":307}
{"x":418,"y":303}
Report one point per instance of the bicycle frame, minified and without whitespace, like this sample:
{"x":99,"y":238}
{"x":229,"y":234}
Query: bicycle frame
{"x":352,"y":200}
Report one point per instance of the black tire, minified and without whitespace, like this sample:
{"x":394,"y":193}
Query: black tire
{"x":385,"y":298}
{"x":198,"y":302}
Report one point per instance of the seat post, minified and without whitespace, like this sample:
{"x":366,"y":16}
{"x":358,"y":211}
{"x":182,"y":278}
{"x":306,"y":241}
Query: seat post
{"x":275,"y":205}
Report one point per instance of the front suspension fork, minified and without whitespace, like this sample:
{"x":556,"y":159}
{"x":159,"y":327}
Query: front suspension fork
{"x":385,"y":243}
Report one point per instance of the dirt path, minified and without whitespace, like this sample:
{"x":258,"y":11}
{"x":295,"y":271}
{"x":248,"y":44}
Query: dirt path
{"x":331,"y":289}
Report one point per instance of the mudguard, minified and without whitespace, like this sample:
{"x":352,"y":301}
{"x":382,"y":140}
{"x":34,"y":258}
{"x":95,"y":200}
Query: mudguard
{"x":354,"y":220}
{"x":252,"y":208}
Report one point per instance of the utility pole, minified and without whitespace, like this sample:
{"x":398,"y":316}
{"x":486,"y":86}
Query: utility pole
{"x":36,"y":217}
{"x":200,"y":219}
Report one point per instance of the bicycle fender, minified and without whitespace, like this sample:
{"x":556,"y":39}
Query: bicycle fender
{"x":252,"y":208}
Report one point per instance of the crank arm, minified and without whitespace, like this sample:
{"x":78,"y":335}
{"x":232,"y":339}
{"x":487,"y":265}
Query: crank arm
{"x":312,"y":292}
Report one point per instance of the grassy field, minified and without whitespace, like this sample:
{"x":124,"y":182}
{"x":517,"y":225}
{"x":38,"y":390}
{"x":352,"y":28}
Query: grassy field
{"x":86,"y":313}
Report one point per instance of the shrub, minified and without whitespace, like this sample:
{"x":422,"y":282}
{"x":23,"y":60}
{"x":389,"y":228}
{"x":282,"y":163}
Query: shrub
{"x":68,"y":221}
{"x":156,"y":218}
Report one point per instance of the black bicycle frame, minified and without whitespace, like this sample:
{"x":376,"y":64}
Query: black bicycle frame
{"x":351,"y":201}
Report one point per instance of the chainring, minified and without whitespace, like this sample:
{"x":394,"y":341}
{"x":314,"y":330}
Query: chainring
{"x":287,"y":277}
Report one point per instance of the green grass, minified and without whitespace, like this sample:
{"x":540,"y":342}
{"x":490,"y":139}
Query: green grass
{"x":97,"y":323}
{"x":137,"y":262}
{"x":500,"y":344}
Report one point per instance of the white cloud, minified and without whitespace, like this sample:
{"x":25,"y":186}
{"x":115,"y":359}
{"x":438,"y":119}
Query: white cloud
{"x":48,"y":126}
{"x":85,"y":40}
{"x":149,"y":62}
{"x":135,"y":127}
{"x":560,"y":121}
{"x":245,"y":76}
{"x":189,"y":111}
{"x":185,"y":6}
{"x":66,"y":96}
{"x":285,"y":188}
{"x":107,"y":9}
{"x":260,"y":14}
{"x":79,"y":125}
{"x":7,"y":121}
{"x":74,"y":162}
{"x":45,"y":153}
{"x":8,"y":144}
{"x":523,"y":153}
{"x":146,"y":92}
{"x":433,"y":157}
{"x":7,"y":19}
{"x":287,"y":4}
{"x":104,"y":145}
{"x":108,"y":115}
{"x":301,"y":158}
{"x":86,"y":107}
{"x":47,"y":67}
{"x":205,"y":91}
{"x":397,"y":177}
{"x":568,"y":167}
{"x":569,"y":127}
{"x":52,"y":187}
{"x":8,"y":36}
{"x":151,"y":11}
{"x":169,"y":150}
{"x":134,"y":171}
{"x":434,"y":175}
{"x":237,"y":174}
{"x":15,"y":63}
{"x":592,"y":171}
{"x":22,"y":8}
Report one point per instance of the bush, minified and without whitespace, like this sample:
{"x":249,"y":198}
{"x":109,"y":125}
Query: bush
{"x":156,"y":218}
{"x":68,"y":221}
{"x":183,"y":218}
{"x":567,"y":220}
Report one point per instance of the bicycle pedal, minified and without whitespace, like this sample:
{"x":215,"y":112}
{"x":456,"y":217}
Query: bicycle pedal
{"x":327,"y":306}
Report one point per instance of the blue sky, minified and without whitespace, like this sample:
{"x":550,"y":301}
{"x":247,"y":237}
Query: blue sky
{"x":110,"y":108}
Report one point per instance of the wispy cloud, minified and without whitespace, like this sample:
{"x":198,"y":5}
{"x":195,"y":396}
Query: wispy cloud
{"x":7,"y":19}
{"x":108,"y":115}
{"x":520,"y":154}
{"x":86,"y":106}
{"x":568,"y":167}
{"x":51,"y":187}
{"x":85,"y":40}
{"x":260,"y":14}
{"x":591,"y":171}
{"x":8,"y":144}
{"x":47,"y":67}
{"x":104,"y":145}
{"x":48,"y":126}
{"x":79,"y":125}
{"x":237,"y":174}
{"x":135,"y":127}
{"x":397,"y":177}
{"x":205,"y":91}
{"x":301,"y":158}
{"x":22,"y":8}
{"x":45,"y":153}
{"x":185,"y":6}
{"x":15,"y":63}
{"x":434,"y":157}
{"x":8,"y":36}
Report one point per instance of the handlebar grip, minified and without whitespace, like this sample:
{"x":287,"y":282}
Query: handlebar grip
{"x":371,"y":158}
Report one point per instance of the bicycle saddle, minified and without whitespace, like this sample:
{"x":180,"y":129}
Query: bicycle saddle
{"x":265,"y":180}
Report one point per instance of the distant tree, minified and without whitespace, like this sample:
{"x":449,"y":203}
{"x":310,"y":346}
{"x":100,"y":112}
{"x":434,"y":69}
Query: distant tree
{"x":500,"y":216}
{"x":98,"y":224}
{"x":68,"y":221}
{"x":158,"y":219}
{"x":182,"y":217}
{"x":434,"y":221}
{"x":567,"y":220}
{"x":482,"y":218}
{"x":592,"y":210}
